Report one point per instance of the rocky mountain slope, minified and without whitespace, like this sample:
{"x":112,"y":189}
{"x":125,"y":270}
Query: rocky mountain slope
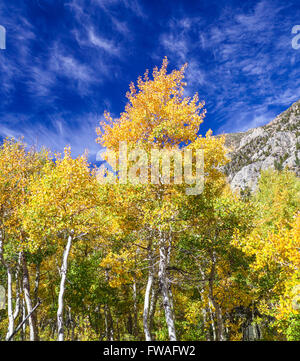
{"x":275,"y":145}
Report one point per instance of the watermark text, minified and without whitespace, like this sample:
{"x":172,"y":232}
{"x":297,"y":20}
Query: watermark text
{"x":154,"y":166}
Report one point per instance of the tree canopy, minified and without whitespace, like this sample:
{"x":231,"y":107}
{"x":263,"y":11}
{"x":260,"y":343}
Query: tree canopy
{"x":87,"y":259}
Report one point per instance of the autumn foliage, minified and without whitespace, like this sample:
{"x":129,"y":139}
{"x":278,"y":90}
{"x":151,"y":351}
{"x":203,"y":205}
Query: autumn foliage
{"x":89,"y":260}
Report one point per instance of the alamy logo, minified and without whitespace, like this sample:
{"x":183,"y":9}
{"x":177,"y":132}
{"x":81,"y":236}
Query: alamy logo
{"x":2,"y":37}
{"x":296,"y":39}
{"x":155,"y":166}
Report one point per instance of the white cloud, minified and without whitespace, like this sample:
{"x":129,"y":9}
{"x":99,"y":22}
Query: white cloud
{"x":103,"y":43}
{"x":246,"y":56}
{"x":59,"y":130}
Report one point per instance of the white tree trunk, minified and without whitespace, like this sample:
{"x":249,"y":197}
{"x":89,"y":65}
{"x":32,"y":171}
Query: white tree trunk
{"x":213,"y":326}
{"x":153,"y":302}
{"x":220,"y":325}
{"x":33,"y":332}
{"x":17,"y":305}
{"x":164,"y":287}
{"x":63,"y":273}
{"x":10,"y":311}
{"x":23,"y":332}
{"x":147,"y":305}
{"x":12,"y":314}
{"x":9,"y":304}
{"x":36,"y":284}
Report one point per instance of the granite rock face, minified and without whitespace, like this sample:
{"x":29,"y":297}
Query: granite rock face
{"x":275,"y":145}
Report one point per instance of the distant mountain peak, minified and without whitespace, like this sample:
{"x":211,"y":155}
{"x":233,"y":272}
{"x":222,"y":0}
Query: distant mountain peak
{"x":274,"y":145}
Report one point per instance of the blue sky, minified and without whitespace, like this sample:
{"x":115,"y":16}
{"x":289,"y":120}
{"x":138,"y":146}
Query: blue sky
{"x":67,"y":61}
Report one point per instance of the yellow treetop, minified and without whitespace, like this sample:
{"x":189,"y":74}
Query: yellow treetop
{"x":157,"y":113}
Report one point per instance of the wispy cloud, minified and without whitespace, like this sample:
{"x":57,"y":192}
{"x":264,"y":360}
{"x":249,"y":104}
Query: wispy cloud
{"x":241,"y":54}
{"x":57,"y":76}
{"x":66,"y":62}
{"x":133,"y":5}
{"x":55,"y":132}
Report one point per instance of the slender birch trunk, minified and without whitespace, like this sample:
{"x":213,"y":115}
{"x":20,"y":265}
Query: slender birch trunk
{"x":106,"y":324}
{"x":33,"y":329}
{"x":72,"y":323}
{"x":23,"y":321}
{"x":205,"y":310}
{"x":212,"y":322}
{"x":17,"y":304}
{"x":153,"y":302}
{"x":164,"y":287}
{"x":36,"y":284}
{"x":220,"y":325}
{"x":9,"y":304}
{"x":168,"y":250}
{"x":146,"y":322}
{"x":204,"y":313}
{"x":220,"y":322}
{"x":63,"y":273}
{"x":10,"y":312}
{"x":23,"y":332}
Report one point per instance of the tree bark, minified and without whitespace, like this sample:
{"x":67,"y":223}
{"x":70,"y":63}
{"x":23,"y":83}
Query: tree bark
{"x":212,"y":322}
{"x":153,"y":302}
{"x":9,"y":304}
{"x":36,"y":284}
{"x":220,"y":325}
{"x":23,"y":331}
{"x":23,"y":321}
{"x":10,"y":312}
{"x":32,"y":320}
{"x":17,"y":278}
{"x":146,"y":322}
{"x":63,"y":273}
{"x":164,"y":287}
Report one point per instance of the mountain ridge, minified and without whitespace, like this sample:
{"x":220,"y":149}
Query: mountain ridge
{"x":274,"y":145}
